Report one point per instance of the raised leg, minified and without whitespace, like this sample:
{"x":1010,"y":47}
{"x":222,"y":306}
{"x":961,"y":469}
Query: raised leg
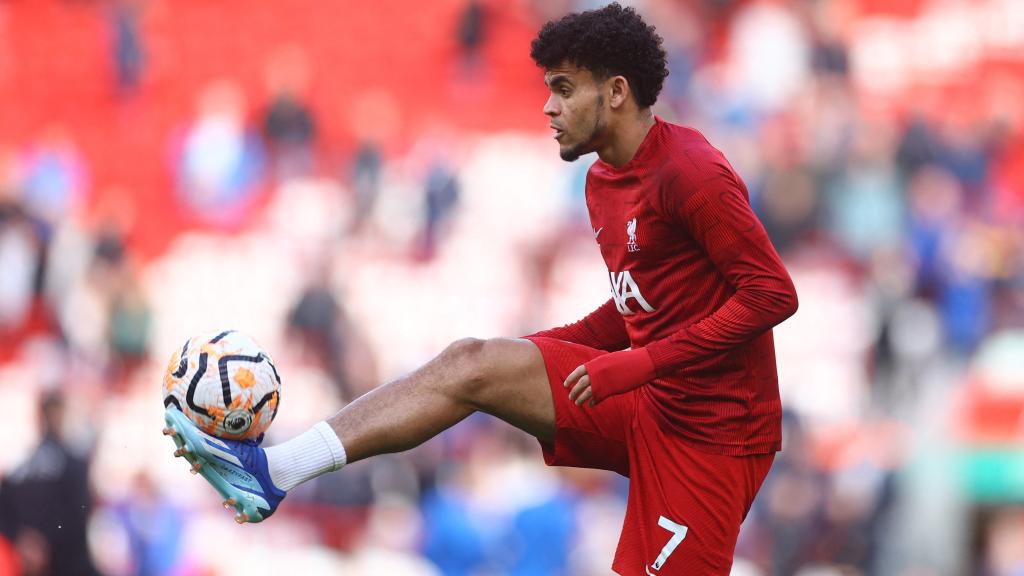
{"x":502,"y":377}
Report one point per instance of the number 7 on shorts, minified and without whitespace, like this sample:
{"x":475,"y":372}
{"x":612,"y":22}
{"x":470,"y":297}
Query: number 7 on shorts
{"x":678,"y":533}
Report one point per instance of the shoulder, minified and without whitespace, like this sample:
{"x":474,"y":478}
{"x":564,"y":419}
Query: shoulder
{"x":689,"y":158}
{"x":693,"y":172}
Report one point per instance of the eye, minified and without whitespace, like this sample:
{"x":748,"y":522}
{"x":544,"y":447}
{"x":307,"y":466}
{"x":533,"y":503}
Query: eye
{"x":564,"y":92}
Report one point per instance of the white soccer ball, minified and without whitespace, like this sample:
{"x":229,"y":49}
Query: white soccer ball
{"x":225,"y":383}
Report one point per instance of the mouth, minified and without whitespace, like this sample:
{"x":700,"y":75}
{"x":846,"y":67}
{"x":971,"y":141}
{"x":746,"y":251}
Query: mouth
{"x":558,"y":132}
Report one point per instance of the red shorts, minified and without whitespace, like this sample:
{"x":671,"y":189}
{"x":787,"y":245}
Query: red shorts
{"x":685,"y":506}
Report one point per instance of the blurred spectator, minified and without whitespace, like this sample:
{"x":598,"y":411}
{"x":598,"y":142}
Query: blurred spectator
{"x":769,"y":53}
{"x":786,"y":197}
{"x":441,"y":193}
{"x":129,"y":57}
{"x":789,"y":208}
{"x":220,"y":163}
{"x":951,"y":254}
{"x":20,"y":260}
{"x":791,"y":501}
{"x":829,"y":51}
{"x":472,"y":33}
{"x":128,"y":319}
{"x":389,"y":546}
{"x":858,"y":502}
{"x":966,"y":152}
{"x":288,"y":124}
{"x":907,"y":333}
{"x":966,"y":299}
{"x":683,"y":35}
{"x":935,"y":206}
{"x":453,"y":543}
{"x":543,"y":536}
{"x":865,"y":203}
{"x":23,"y":250}
{"x":317,"y":323}
{"x":129,"y":327}
{"x":54,"y":176}
{"x":495,"y":511}
{"x":918,"y":147}
{"x":45,"y":502}
{"x":365,"y":181}
{"x":154,"y":528}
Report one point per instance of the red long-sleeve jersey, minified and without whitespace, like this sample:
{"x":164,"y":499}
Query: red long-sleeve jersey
{"x":696,"y":288}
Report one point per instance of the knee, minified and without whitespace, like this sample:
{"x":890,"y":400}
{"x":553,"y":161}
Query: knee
{"x":467,"y":358}
{"x":471,"y":360}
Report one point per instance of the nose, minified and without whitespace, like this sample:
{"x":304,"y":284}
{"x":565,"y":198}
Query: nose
{"x":551,"y":107}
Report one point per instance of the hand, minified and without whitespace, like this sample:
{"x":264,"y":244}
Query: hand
{"x":579,"y":381}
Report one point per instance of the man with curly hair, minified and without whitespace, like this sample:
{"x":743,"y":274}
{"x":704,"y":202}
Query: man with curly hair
{"x":671,"y":382}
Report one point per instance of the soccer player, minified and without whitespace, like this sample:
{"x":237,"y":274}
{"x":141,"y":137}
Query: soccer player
{"x":671,"y":382}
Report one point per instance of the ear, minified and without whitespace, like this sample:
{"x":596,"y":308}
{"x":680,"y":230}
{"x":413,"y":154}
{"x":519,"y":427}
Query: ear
{"x":618,"y":91}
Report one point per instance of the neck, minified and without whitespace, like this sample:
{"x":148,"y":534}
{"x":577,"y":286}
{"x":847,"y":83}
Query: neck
{"x":628,"y":137}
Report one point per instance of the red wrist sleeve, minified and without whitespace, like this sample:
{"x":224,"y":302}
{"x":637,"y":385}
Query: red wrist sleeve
{"x":619,"y":372}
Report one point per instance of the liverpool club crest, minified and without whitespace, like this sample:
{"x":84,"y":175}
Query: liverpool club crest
{"x":631,"y":231}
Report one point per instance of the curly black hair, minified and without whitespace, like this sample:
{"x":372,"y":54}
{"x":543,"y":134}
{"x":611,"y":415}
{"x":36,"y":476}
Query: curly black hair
{"x":610,"y":41}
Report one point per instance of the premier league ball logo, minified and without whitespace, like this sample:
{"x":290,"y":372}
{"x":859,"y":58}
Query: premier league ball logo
{"x":238,"y":421}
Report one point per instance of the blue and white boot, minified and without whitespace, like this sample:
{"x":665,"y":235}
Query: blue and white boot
{"x":236,"y":469}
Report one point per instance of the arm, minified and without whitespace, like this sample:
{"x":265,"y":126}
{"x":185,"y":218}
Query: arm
{"x":714,"y":209}
{"x":603,"y":329}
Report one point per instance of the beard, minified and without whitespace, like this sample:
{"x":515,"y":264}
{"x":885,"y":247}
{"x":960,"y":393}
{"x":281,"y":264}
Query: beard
{"x":588,"y":143}
{"x":573,"y":154}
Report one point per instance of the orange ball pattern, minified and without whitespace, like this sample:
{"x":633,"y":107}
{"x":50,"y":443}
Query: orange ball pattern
{"x":224,"y":383}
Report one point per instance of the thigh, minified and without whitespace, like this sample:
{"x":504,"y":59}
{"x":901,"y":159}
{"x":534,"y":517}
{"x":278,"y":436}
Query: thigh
{"x":512,"y":384}
{"x":685,"y":505}
{"x":584,"y":436}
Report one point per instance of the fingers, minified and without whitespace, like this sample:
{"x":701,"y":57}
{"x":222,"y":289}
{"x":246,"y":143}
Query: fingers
{"x":582,"y":387}
{"x":581,"y":391}
{"x":586,"y":396}
{"x":575,"y":375}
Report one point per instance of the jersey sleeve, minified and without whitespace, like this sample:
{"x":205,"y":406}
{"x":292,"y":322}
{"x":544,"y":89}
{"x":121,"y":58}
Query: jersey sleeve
{"x":707,"y":199}
{"x":602,"y":329}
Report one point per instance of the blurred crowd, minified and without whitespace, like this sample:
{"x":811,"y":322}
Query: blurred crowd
{"x":884,"y":153}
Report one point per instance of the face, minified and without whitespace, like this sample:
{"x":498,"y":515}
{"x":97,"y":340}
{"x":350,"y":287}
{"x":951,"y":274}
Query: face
{"x":577,"y":110}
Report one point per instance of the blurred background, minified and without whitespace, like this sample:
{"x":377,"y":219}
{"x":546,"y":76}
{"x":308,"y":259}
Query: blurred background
{"x":356,"y":184}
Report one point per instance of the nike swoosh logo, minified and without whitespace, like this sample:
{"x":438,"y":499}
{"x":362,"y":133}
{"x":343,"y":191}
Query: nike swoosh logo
{"x":598,"y":231}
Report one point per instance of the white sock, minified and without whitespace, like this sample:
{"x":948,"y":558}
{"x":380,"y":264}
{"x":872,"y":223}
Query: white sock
{"x":308,"y":455}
